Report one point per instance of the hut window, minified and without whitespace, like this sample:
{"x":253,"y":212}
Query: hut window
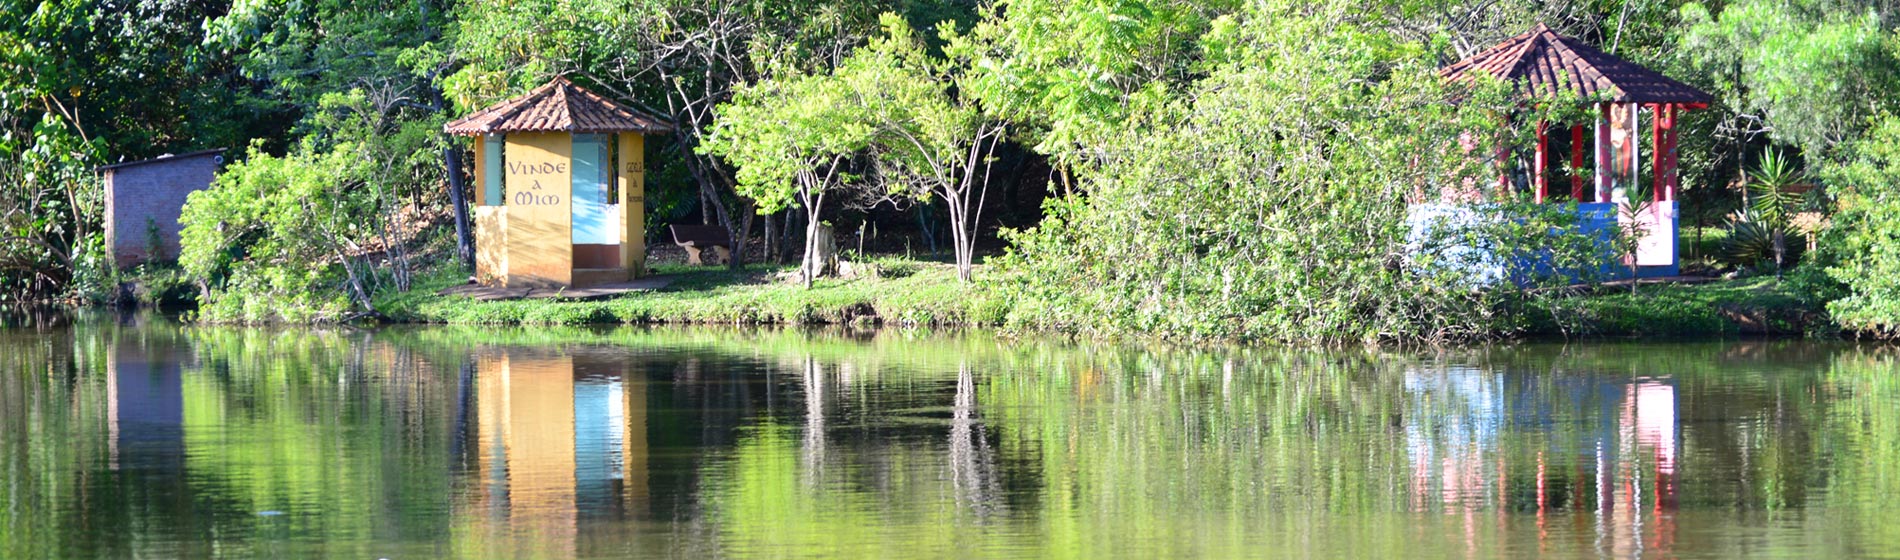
{"x":592,"y":208}
{"x":492,"y":166}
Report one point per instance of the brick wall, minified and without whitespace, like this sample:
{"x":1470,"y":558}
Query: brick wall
{"x":147,"y":196}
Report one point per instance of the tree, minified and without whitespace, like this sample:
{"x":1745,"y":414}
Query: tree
{"x":1631,"y":209}
{"x":1072,"y":73}
{"x":316,"y":234}
{"x":930,"y":139}
{"x":1864,"y":240}
{"x":793,"y":140}
{"x":1270,"y":200}
{"x":391,"y":49}
{"x":87,"y":82}
{"x":1808,"y":72}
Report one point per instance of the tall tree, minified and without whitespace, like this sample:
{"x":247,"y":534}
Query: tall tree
{"x":1071,"y":73}
{"x":1808,"y":73}
{"x":793,"y":140}
{"x":931,"y":138}
{"x":390,"y":49}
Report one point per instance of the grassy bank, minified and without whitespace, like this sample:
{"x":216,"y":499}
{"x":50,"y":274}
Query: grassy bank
{"x":1749,"y":306}
{"x":912,"y":293}
{"x":902,"y":293}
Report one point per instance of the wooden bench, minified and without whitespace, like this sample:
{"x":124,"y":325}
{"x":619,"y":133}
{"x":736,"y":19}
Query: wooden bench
{"x":699,"y":238}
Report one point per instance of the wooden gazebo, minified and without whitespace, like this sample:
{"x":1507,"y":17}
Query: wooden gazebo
{"x":1545,"y":65}
{"x":560,"y":175}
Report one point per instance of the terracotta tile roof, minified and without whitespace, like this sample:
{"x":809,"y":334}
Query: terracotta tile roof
{"x":1545,"y":64}
{"x":559,"y":106}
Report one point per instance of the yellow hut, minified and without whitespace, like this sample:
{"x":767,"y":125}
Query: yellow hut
{"x":560,"y":183}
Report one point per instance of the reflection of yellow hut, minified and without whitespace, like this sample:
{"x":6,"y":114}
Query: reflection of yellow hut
{"x":562,"y":438}
{"x":560,"y":183}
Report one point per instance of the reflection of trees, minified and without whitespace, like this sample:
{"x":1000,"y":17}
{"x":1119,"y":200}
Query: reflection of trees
{"x":972,"y":461}
{"x":813,"y":379}
{"x":1863,"y":442}
{"x":883,"y":445}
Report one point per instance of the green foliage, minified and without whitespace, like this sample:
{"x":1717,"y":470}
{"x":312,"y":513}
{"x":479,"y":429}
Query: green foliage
{"x":1748,"y":243}
{"x":263,"y":237}
{"x":304,"y":50}
{"x":50,"y":211}
{"x":1775,"y":201}
{"x":313,"y":235}
{"x":1077,"y":72}
{"x":1273,"y":205}
{"x":931,"y":139}
{"x":130,"y":75}
{"x":1634,"y":206}
{"x":1772,"y":185}
{"x":1864,"y":241}
{"x":1815,"y":71}
{"x":1753,"y":306}
{"x":791,"y":139}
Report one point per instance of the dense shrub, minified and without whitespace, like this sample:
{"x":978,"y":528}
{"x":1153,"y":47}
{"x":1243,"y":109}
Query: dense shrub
{"x":1273,"y":203}
{"x":313,"y":235}
{"x":1864,"y":240}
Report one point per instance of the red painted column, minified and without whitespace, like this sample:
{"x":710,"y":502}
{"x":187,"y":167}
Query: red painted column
{"x":1576,"y":163}
{"x":1658,"y":122}
{"x":1539,"y":165}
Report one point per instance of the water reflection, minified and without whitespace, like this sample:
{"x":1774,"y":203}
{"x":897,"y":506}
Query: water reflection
{"x":562,"y":442}
{"x":144,"y":406}
{"x":1462,"y":425}
{"x":150,"y":439}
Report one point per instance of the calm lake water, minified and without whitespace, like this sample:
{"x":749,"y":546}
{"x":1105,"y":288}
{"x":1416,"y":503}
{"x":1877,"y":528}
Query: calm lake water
{"x":136,"y":437}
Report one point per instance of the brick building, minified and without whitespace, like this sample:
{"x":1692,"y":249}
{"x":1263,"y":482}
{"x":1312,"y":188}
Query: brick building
{"x":144,"y":198}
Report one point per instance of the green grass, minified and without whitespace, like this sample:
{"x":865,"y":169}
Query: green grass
{"x":1748,"y":306}
{"x":908,"y":293}
{"x":1705,"y":249}
{"x":917,"y":293}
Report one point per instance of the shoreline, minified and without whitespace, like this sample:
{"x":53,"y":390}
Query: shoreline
{"x":928,"y":295}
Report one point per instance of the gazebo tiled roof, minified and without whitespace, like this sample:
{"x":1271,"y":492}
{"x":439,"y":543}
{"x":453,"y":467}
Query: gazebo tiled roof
{"x":1545,"y":64}
{"x":559,"y":106}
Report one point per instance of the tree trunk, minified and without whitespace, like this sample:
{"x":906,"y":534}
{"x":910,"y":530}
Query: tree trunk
{"x":960,"y":238}
{"x":1781,"y":249}
{"x":923,"y":226}
{"x":464,"y":241}
{"x":785,"y":236}
{"x":746,"y":215}
{"x":771,"y":238}
{"x":821,"y":251}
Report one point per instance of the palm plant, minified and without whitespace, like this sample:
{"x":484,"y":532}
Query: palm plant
{"x":1776,"y":200}
{"x":1631,"y":210}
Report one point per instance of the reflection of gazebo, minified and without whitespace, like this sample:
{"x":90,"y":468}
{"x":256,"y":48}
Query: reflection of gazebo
{"x":561,"y":188}
{"x":1545,"y":65}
